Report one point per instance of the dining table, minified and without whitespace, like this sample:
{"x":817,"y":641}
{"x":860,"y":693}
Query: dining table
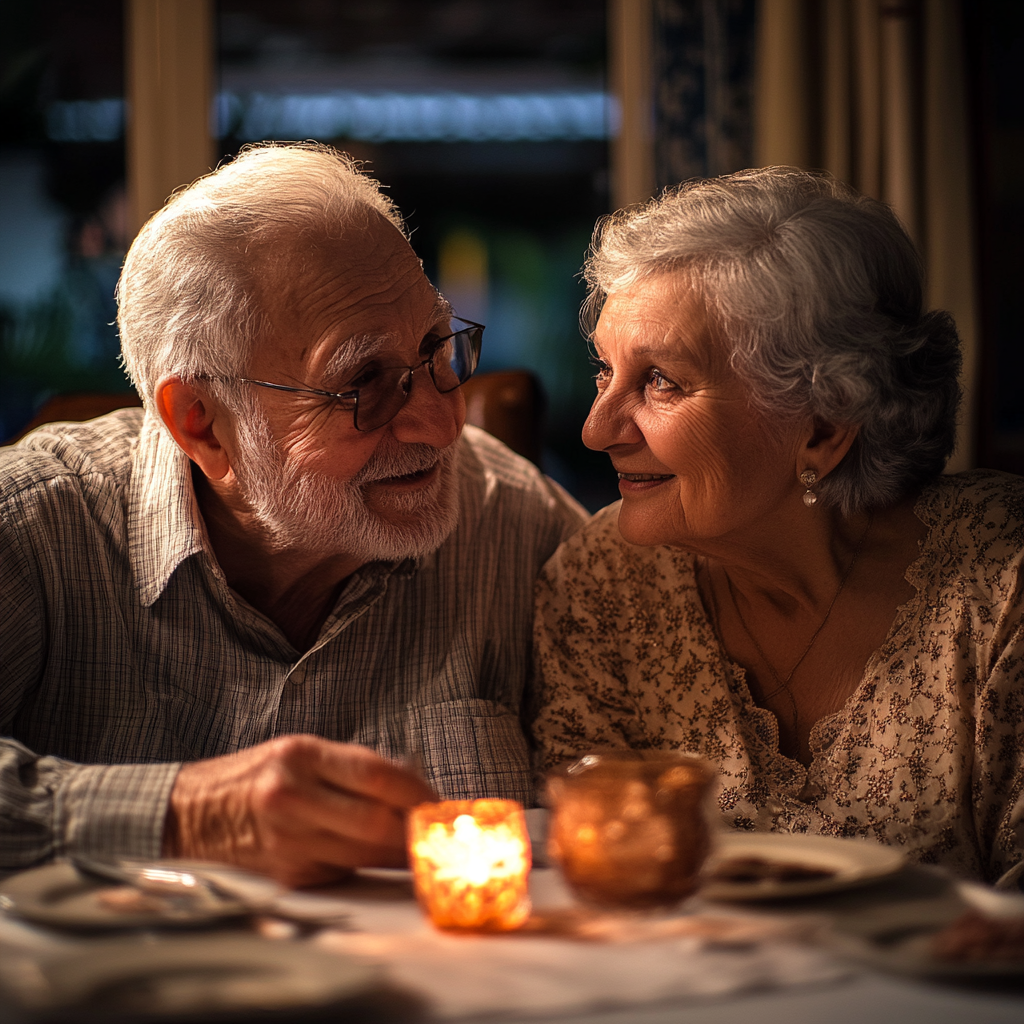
{"x":846,"y":953}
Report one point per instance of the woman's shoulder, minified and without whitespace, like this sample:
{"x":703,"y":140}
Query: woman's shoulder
{"x":982,"y":505}
{"x":598,"y":549}
{"x":597,"y":541}
{"x":602,"y":529}
{"x":976,"y":522}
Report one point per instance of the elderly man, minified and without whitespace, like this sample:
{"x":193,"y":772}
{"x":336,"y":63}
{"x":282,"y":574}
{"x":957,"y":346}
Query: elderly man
{"x":232,"y":626}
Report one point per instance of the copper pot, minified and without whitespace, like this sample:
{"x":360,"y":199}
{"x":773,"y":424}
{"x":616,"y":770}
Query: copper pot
{"x":628,"y":828}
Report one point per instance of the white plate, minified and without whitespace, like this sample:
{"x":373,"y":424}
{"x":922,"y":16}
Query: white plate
{"x":853,"y":862}
{"x":57,"y":895}
{"x":182,"y":975}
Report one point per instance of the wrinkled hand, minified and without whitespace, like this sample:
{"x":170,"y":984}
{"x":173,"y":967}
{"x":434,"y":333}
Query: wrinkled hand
{"x":301,"y":809}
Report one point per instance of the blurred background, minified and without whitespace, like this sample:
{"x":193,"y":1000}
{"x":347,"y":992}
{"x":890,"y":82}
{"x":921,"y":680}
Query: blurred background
{"x":503,"y":130}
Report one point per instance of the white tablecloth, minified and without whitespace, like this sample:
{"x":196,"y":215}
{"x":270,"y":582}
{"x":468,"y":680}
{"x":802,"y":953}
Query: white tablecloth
{"x":526,"y":975}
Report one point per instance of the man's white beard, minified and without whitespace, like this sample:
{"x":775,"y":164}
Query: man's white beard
{"x":311,"y":512}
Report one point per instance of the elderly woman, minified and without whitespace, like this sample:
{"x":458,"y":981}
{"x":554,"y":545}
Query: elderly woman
{"x":789,"y":586}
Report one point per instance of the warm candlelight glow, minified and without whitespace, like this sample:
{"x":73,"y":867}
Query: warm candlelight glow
{"x":470,"y":860}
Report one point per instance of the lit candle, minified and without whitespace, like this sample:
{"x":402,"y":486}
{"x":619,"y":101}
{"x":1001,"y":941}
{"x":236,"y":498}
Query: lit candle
{"x":470,"y":861}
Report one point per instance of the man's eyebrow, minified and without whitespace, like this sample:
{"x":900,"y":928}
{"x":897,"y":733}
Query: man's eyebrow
{"x":362,"y":347}
{"x":352,"y":354}
{"x":442,"y":308}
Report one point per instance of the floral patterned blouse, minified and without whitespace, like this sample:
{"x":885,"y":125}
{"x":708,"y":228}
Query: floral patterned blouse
{"x":927,"y":754}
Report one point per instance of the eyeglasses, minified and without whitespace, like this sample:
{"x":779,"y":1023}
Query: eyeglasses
{"x":383,"y":390}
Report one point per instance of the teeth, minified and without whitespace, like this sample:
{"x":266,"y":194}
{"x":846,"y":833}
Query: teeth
{"x":642,"y":477}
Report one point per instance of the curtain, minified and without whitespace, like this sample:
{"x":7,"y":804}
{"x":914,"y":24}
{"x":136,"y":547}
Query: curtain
{"x":682,"y":72}
{"x":875,"y":92}
{"x":703,"y":62}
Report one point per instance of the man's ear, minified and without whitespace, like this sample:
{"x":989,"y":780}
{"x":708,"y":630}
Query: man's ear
{"x":825,"y":446}
{"x":195,"y":421}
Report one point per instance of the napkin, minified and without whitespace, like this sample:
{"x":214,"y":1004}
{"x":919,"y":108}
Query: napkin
{"x":612,"y":962}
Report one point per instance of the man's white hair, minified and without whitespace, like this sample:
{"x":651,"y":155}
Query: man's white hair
{"x":189,"y":294}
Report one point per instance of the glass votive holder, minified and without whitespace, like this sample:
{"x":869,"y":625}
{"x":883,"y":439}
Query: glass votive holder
{"x":470,"y":861}
{"x":628,"y":828}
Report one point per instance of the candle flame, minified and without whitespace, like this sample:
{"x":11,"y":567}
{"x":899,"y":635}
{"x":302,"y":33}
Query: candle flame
{"x":471,"y":867}
{"x":465,"y":850}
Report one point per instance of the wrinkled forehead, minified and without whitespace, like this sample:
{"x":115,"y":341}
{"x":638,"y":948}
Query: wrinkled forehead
{"x":289,"y":264}
{"x":662,"y":315}
{"x":363,"y":286}
{"x":654,"y":305}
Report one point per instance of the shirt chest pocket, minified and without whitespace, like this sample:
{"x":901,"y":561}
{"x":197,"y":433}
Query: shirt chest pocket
{"x":472,"y":748}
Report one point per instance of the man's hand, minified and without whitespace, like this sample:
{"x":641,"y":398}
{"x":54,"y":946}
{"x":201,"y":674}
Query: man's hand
{"x":301,"y":809}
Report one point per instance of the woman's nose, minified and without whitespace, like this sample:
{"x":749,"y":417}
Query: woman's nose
{"x":610,"y":423}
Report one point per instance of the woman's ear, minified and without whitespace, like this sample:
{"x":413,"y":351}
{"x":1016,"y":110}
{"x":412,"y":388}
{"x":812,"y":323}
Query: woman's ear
{"x":825,"y":446}
{"x":195,"y":421}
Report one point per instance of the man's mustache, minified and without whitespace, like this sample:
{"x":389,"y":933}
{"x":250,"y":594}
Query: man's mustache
{"x":401,"y":460}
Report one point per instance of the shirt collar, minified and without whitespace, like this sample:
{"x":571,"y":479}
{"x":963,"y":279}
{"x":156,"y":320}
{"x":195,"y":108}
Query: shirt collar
{"x":163,"y":519}
{"x":165,"y":526}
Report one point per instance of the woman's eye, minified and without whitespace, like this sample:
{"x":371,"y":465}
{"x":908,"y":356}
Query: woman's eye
{"x":602,"y":371}
{"x":660,"y":384}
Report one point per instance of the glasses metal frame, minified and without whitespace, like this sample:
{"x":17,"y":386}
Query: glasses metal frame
{"x":474,"y":333}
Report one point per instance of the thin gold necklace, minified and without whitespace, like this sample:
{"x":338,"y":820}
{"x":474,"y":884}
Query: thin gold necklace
{"x":783,"y":684}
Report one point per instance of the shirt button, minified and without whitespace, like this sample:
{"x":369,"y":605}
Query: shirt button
{"x":298,"y":674}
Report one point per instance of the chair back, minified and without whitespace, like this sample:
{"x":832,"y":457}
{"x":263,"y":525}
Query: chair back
{"x":510,"y":405}
{"x":77,"y":407}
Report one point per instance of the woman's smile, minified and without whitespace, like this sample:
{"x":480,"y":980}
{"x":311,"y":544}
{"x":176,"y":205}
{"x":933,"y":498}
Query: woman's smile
{"x":637,"y":483}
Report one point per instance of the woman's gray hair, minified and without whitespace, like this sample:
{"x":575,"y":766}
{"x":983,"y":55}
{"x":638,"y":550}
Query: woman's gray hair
{"x":190,"y":290}
{"x":818,"y":291}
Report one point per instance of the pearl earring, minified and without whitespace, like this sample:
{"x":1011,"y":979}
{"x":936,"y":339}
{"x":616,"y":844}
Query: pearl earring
{"x":809,"y":478}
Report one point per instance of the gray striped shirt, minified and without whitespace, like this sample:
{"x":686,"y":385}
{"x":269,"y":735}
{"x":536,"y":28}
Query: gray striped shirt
{"x":123,"y":651}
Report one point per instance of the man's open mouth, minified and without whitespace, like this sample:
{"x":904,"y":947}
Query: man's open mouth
{"x":638,"y":478}
{"x":406,"y":478}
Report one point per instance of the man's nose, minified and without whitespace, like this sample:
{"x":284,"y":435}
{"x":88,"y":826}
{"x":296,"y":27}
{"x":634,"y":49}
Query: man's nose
{"x":428,"y":417}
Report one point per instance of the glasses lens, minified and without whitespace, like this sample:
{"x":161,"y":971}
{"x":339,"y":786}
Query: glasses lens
{"x":453,"y":363}
{"x":456,"y":359}
{"x":378,"y":401}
